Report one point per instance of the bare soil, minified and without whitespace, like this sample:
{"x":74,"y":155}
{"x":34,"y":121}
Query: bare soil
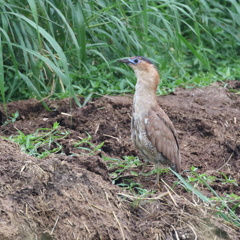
{"x":70,"y":195}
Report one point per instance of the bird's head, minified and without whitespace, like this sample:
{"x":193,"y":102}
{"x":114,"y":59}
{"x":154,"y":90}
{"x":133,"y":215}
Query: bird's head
{"x":145,"y":70}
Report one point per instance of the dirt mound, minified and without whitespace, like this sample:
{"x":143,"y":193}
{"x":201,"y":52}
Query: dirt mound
{"x":69,"y":195}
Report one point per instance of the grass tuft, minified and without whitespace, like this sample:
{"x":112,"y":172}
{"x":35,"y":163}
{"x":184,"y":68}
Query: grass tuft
{"x":41,"y":143}
{"x":225,"y":207}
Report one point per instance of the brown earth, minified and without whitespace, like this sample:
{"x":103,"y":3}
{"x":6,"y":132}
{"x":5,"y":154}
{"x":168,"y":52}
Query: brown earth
{"x":70,"y":195}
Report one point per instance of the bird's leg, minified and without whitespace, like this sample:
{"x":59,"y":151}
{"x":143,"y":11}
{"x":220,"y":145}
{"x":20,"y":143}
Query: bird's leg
{"x":157,"y":167}
{"x":144,"y":167}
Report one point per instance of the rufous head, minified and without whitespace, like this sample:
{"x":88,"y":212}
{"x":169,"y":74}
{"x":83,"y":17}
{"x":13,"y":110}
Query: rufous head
{"x":144,"y":69}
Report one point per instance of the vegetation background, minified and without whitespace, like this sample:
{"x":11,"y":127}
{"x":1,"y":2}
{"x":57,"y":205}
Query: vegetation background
{"x":57,"y":49}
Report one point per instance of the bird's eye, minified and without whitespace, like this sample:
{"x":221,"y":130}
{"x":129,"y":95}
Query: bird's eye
{"x":136,"y":60}
{"x":133,"y":61}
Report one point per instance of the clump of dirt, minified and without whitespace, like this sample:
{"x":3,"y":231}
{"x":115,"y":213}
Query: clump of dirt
{"x":70,"y":195}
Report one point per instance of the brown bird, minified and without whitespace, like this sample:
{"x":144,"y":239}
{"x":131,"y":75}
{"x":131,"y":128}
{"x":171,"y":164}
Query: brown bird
{"x":152,"y":132}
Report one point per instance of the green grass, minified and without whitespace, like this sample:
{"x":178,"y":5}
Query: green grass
{"x":225,"y":207}
{"x":57,"y":49}
{"x":12,"y":118}
{"x":118,"y":167}
{"x":87,"y":146}
{"x":41,"y":143}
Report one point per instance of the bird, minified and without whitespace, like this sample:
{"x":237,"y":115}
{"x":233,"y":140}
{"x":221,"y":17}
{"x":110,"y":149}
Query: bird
{"x":152,"y":132}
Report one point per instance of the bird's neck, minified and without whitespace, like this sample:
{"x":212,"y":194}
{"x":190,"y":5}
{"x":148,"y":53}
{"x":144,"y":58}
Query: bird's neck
{"x":144,"y":97}
{"x":145,"y":90}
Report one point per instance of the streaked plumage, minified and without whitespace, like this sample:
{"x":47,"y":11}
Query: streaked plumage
{"x":153,"y":133}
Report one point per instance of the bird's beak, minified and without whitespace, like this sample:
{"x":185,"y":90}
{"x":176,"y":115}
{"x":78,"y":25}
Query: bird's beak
{"x":124,"y":60}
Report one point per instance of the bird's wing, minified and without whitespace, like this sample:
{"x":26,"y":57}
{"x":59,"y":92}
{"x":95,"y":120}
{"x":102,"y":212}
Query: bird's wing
{"x":163,"y":136}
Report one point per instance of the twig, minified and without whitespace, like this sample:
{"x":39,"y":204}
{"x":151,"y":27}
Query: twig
{"x":101,"y":209}
{"x":121,"y":230}
{"x":196,"y":237}
{"x":86,"y":227}
{"x":55,"y":225}
{"x":129,"y":116}
{"x":66,"y":114}
{"x":139,"y":198}
{"x":92,"y":205}
{"x":171,"y":196}
{"x":106,"y":135}
{"x":167,"y":187}
{"x":226,"y":162}
{"x":96,"y":130}
{"x":176,"y":234}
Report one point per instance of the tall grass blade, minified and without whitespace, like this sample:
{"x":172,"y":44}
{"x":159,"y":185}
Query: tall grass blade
{"x":2,"y":85}
{"x":79,"y":23}
{"x":192,"y":189}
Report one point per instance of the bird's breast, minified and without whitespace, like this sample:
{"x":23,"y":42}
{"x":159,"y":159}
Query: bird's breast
{"x":140,"y":138}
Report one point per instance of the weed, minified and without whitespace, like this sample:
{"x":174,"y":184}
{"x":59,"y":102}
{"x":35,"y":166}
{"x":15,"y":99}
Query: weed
{"x":12,"y":119}
{"x":197,"y":178}
{"x":41,"y":143}
{"x":88,"y":146}
{"x":117,"y":167}
{"x":227,"y":179}
{"x":224,"y":210}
